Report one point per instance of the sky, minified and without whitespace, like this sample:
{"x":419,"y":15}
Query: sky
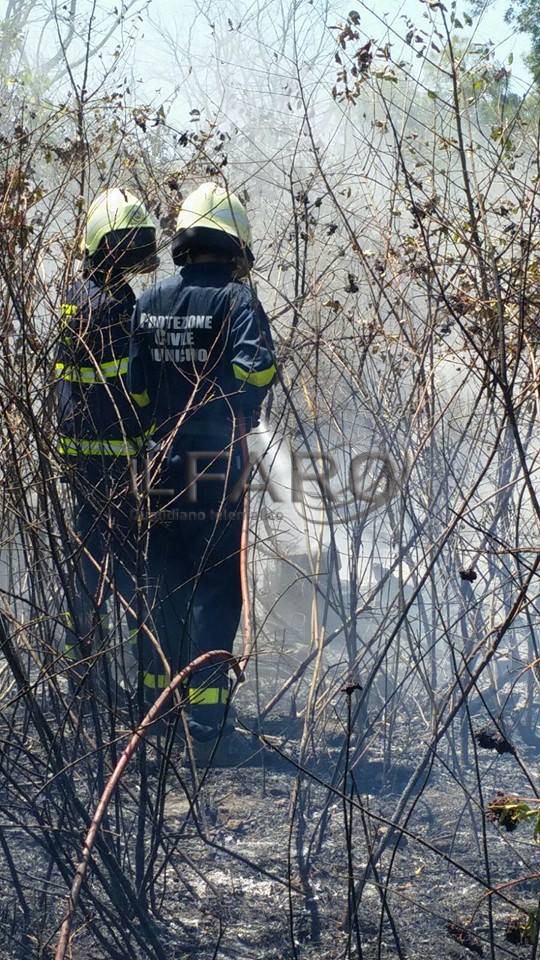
{"x":489,"y":27}
{"x":188,"y":26}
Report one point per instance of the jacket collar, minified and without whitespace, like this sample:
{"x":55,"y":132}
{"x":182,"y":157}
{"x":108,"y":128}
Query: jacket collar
{"x":211,"y":273}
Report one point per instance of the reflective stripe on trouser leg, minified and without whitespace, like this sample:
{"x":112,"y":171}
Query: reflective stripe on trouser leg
{"x":196,"y":696}
{"x":67,"y":619}
{"x":74,"y":647}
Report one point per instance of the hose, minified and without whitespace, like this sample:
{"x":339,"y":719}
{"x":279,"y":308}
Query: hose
{"x":211,"y":657}
{"x":247,"y":646}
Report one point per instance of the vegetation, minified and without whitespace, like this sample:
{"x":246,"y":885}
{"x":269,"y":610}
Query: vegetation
{"x":391,"y":172}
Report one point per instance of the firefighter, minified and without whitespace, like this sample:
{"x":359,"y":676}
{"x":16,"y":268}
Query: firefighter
{"x":201,"y":353}
{"x":100,"y":427}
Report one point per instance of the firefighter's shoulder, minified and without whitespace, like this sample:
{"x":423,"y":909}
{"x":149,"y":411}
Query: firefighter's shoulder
{"x":161,"y":295}
{"x":242,"y":293}
{"x":82,"y":298}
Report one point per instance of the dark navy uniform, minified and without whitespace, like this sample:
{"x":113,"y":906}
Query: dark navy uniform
{"x":100,"y":428}
{"x":97,"y":418}
{"x":202,"y":353}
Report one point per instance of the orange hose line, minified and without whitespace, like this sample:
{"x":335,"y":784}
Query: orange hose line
{"x":211,"y":657}
{"x":247,"y":626}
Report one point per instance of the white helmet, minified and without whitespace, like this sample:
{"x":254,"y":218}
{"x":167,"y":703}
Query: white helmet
{"x":212,"y":219}
{"x":120,"y":219}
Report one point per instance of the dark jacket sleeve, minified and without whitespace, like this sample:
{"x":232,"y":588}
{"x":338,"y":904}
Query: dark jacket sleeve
{"x":251,"y":351}
{"x":72,"y":353}
{"x":75,"y":316}
{"x":137,"y":378}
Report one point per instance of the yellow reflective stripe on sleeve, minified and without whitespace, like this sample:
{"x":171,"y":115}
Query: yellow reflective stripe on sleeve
{"x":141,"y":399}
{"x":115,"y":368}
{"x":103,"y":371}
{"x":96,"y":448}
{"x":68,"y":447}
{"x":257,"y":378}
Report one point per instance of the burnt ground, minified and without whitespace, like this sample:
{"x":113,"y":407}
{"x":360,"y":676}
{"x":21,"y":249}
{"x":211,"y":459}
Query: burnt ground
{"x":424,"y":893}
{"x":232,"y":889}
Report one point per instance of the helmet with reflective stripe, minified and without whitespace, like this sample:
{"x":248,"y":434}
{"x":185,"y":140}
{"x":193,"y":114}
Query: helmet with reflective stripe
{"x":119,"y":229}
{"x":215,"y":220}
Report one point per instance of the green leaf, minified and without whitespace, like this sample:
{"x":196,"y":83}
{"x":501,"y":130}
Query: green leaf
{"x":432,"y":95}
{"x":511,"y":59}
